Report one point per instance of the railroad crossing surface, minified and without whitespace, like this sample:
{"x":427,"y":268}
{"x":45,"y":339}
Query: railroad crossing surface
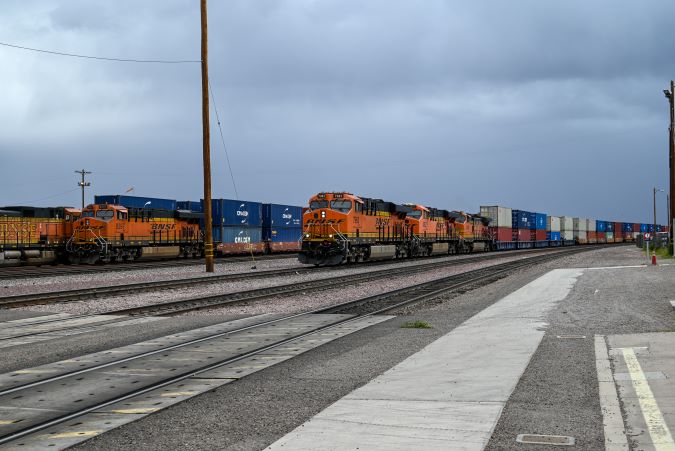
{"x":573,"y":353}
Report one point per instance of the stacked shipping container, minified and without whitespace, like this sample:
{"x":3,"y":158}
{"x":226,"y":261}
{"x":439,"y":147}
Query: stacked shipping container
{"x":237,"y":226}
{"x":618,"y":232}
{"x":567,"y":229}
{"x":601,"y":231}
{"x":539,"y":231}
{"x":610,"y":232}
{"x":500,"y":225}
{"x":154,"y":203}
{"x":627,"y":231}
{"x":522,"y":225}
{"x":579,"y":230}
{"x":553,"y":231}
{"x":591,"y":233}
{"x":282,"y":227}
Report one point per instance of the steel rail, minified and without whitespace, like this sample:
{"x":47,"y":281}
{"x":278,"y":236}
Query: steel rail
{"x":61,"y":419}
{"x":111,"y":290}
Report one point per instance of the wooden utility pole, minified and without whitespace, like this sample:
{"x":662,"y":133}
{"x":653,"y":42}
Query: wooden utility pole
{"x":206,"y":145}
{"x":671,"y":156}
{"x":82,"y":184}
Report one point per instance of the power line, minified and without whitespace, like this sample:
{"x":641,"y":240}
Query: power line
{"x":123,"y":60}
{"x":48,"y":197}
{"x":222,"y":139}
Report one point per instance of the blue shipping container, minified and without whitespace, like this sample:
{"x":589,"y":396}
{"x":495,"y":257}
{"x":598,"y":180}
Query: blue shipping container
{"x":520,"y":219}
{"x":236,"y":212}
{"x":275,"y":215}
{"x":553,"y":236}
{"x":137,"y":202}
{"x":644,"y":228}
{"x":540,"y":221}
{"x":237,"y":235}
{"x":191,"y":205}
{"x":627,"y":227}
{"x":601,"y":226}
{"x":282,"y":234}
{"x":610,"y":226}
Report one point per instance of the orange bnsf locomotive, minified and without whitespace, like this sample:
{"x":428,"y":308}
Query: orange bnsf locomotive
{"x":34,"y":235}
{"x":341,"y":228}
{"x":109,"y":233}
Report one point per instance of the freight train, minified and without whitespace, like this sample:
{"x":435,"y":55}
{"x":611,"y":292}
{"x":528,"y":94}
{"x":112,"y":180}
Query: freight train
{"x":343,"y":228}
{"x":340,"y":227}
{"x":126,"y":228}
{"x":336,"y":227}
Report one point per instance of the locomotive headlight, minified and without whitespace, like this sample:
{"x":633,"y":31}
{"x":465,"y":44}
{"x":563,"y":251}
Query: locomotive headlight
{"x":330,"y":236}
{"x":323,"y":214}
{"x":306,"y":235}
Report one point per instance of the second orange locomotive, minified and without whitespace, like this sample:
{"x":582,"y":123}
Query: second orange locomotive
{"x":341,"y":227}
{"x":111,"y":232}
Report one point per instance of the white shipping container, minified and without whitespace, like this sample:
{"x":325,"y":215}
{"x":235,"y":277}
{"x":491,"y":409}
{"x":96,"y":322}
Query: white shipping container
{"x":591,"y":225}
{"x":553,"y":224}
{"x":567,"y":235}
{"x":566,"y":223}
{"x":500,"y":216}
{"x":579,"y":224}
{"x":580,"y":235}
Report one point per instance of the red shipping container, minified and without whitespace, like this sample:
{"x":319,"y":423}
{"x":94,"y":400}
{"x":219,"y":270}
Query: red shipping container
{"x":539,"y":235}
{"x":636,"y":227}
{"x":601,"y":237}
{"x":522,"y":234}
{"x":502,"y":233}
{"x":618,"y":231}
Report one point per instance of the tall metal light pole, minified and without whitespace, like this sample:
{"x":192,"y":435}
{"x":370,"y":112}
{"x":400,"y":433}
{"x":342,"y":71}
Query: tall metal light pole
{"x":206,"y":145}
{"x":82,"y":183}
{"x":671,"y":158}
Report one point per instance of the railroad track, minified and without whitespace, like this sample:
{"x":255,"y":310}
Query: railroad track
{"x":114,"y":290}
{"x":106,"y":377}
{"x":395,"y":299}
{"x":219,"y":300}
{"x":27,"y":271}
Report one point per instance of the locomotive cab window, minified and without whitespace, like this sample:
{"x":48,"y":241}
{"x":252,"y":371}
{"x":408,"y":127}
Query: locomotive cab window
{"x":105,"y":215}
{"x":88,"y":214}
{"x":343,"y":206}
{"x":358,"y":207}
{"x":416,"y":214}
{"x":316,"y":204}
{"x":121,"y":215}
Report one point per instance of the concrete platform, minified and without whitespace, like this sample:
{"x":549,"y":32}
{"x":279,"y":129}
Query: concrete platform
{"x":449,"y":395}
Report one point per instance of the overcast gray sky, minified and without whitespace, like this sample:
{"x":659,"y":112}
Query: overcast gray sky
{"x":546,"y":106}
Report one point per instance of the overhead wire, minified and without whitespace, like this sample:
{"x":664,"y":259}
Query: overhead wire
{"x":222,"y":139}
{"x":48,"y":197}
{"x":227,"y":157}
{"x":104,"y":58}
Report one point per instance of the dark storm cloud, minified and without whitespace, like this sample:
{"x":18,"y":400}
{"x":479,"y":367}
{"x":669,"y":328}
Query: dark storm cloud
{"x":537,"y":105}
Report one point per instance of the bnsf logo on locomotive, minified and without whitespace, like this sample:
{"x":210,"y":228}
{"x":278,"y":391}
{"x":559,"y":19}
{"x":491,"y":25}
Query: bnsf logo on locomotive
{"x":163,"y":226}
{"x":381,"y":222}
